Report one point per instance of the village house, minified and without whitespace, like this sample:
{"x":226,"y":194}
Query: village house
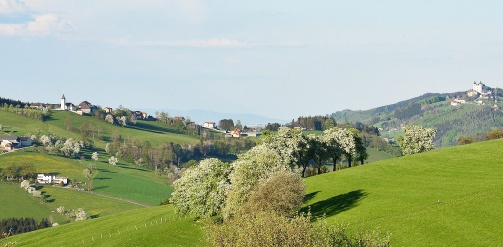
{"x":210,"y":125}
{"x":108,"y":110}
{"x":39,"y":106}
{"x":458,"y":102}
{"x":10,"y":143}
{"x":179,"y":118}
{"x":86,"y":108}
{"x":51,"y":179}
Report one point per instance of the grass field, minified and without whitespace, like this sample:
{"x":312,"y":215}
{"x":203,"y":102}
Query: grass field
{"x":376,"y":155}
{"x":16,"y":202}
{"x":449,"y":197}
{"x":142,"y":227}
{"x":152,"y":131}
{"x":13,"y":198}
{"x":123,"y":180}
{"x":131,"y":182}
{"x":71,"y":168}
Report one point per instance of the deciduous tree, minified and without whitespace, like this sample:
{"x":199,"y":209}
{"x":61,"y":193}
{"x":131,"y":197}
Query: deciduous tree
{"x":202,"y":190}
{"x":416,"y":139}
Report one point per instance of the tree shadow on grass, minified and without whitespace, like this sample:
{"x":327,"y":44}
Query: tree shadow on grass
{"x":336,"y":204}
{"x":94,"y":216}
{"x":105,"y":170}
{"x":310,"y":196}
{"x":133,"y":168}
{"x":100,"y":187}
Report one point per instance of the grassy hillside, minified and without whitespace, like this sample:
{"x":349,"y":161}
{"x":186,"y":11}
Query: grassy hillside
{"x":16,"y":202}
{"x":448,"y":197}
{"x":433,"y":111}
{"x":123,"y":180}
{"x":154,"y":132}
{"x":13,"y":196}
{"x":157,"y":226}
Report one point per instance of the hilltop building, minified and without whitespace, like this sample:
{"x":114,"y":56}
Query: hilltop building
{"x":86,"y":108}
{"x":480,"y":87}
{"x":67,"y":106}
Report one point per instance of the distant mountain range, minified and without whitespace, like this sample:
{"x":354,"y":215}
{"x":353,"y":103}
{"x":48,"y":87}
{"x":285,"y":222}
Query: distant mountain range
{"x":201,"y":116}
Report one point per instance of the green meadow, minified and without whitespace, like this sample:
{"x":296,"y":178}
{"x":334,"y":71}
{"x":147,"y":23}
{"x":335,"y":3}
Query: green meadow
{"x":14,"y":199}
{"x":156,"y":226}
{"x":448,"y":197}
{"x":16,"y":202}
{"x":152,"y":131}
{"x":123,"y":180}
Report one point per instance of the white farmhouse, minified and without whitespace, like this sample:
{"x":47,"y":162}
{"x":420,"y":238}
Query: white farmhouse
{"x":210,"y":125}
{"x":50,"y":179}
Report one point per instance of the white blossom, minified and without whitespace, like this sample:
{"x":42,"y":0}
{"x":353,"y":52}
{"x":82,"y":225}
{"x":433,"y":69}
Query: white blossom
{"x":416,"y":139}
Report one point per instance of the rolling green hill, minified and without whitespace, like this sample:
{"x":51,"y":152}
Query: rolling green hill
{"x":157,"y":226}
{"x":152,"y":131}
{"x":450,"y":197}
{"x":432,"y":111}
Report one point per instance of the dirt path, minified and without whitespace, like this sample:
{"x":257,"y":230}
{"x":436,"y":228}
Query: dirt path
{"x":116,"y":198}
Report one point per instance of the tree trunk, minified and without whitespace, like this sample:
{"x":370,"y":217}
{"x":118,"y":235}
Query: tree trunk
{"x":304,"y":167}
{"x":334,"y":159}
{"x":349,"y":160}
{"x":318,"y":163}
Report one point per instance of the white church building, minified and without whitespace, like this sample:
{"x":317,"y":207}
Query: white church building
{"x":67,"y":106}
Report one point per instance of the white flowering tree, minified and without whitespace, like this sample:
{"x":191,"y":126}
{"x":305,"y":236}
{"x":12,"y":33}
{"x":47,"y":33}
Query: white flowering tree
{"x":95,"y":156}
{"x":25,"y":184}
{"x":339,"y":142}
{"x":202,"y":190}
{"x":317,"y":150}
{"x":113,"y":160}
{"x":45,"y":140}
{"x":122,"y":121}
{"x":110,"y":119}
{"x":251,"y":167}
{"x":61,"y":210}
{"x":290,"y":144}
{"x":80,"y":214}
{"x":416,"y":139}
{"x":70,"y":147}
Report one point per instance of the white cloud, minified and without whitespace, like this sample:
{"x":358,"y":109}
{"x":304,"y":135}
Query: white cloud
{"x":42,"y":25}
{"x":207,"y":43}
{"x":12,"y":7}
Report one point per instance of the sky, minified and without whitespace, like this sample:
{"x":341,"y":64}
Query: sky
{"x":279,"y":59}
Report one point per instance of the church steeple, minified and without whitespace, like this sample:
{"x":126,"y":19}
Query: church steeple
{"x":63,"y":102}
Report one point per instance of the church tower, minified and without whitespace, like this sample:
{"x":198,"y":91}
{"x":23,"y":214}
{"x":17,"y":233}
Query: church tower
{"x":63,"y":102}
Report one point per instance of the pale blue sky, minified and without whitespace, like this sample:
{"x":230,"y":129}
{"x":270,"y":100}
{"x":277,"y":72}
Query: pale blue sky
{"x":279,"y":59}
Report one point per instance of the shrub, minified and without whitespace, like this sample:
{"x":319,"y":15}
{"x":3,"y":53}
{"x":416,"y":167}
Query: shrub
{"x":462,"y":140}
{"x":495,"y":134}
{"x":282,"y":193}
{"x":251,"y":167}
{"x":270,"y":229}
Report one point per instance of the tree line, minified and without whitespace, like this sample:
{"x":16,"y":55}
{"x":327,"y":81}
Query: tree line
{"x":12,"y":226}
{"x":27,"y":112}
{"x":18,"y":172}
